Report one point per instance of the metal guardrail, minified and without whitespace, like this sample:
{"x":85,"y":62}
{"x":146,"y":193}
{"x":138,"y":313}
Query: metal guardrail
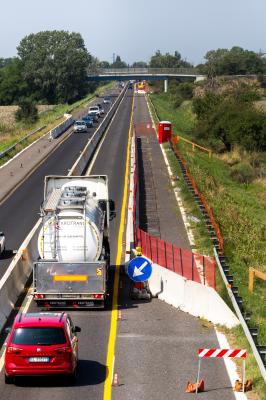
{"x":251,"y":333}
{"x":9,"y":149}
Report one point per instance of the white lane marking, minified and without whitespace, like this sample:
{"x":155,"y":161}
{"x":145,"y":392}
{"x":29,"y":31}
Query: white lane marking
{"x":230,"y":365}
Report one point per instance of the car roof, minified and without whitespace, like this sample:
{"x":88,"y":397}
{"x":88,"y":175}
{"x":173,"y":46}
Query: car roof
{"x":79,"y":121}
{"x":40,"y":319}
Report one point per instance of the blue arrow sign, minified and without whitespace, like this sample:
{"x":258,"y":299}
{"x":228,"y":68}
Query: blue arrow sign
{"x":139,"y":269}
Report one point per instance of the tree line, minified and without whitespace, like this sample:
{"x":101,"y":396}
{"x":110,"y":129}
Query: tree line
{"x":51,"y":67}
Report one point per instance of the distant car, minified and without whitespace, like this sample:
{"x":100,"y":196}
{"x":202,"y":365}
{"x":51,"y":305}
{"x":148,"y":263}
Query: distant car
{"x":80,"y":126}
{"x":2,"y":242}
{"x":88,"y":121}
{"x":42,"y":344}
{"x":101,"y":108}
{"x":93,"y":116}
{"x":94,"y":110}
{"x":107,"y":100}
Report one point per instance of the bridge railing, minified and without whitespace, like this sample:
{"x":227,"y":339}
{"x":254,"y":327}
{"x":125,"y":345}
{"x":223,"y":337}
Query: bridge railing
{"x":144,"y":71}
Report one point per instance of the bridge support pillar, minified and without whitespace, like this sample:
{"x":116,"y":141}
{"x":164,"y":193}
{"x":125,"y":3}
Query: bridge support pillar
{"x":165,"y":85}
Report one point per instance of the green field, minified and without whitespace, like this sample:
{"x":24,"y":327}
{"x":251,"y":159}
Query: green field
{"x":240,"y":212}
{"x":11,"y":131}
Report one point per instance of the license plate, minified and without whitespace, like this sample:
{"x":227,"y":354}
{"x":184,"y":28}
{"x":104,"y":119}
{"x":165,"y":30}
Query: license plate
{"x":39,"y":359}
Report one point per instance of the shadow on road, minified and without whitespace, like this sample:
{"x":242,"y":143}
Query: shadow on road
{"x":89,"y":373}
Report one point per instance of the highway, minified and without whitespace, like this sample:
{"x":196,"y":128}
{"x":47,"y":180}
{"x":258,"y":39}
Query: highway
{"x":155,"y":345}
{"x":94,"y":324}
{"x":19,"y":212}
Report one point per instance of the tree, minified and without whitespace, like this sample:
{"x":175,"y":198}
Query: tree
{"x":55,"y":65}
{"x":139,"y":64}
{"x":236,"y":61}
{"x":5,"y":61}
{"x":230,"y":120}
{"x":168,"y":60}
{"x":104,"y":64}
{"x":27,"y":111}
{"x":119,"y":63}
{"x":12,"y":84}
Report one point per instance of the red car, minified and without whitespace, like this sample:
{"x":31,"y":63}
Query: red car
{"x":42,"y":344}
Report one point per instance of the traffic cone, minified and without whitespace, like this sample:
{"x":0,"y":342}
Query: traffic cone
{"x":238,"y":386}
{"x":248,"y":385}
{"x":192,"y":387}
{"x":115,"y":380}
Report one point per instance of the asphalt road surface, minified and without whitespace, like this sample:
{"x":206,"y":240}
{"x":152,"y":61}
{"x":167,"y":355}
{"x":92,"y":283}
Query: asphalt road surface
{"x":95,"y":325}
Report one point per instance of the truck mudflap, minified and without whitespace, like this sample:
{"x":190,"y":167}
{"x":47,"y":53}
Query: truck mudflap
{"x":83,"y":284}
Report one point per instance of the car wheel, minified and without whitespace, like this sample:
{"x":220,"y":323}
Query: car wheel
{"x":9,"y":379}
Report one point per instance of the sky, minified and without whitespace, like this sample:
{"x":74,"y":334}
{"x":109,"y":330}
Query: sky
{"x":135,"y":29}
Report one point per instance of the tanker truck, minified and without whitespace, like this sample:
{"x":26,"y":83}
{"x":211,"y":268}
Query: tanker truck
{"x":73,"y":243}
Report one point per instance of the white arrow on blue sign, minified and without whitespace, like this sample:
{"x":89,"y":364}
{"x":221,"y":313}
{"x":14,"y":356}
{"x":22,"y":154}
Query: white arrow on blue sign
{"x":139,"y":269}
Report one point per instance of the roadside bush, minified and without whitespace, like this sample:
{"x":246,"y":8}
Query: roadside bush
{"x":243,"y":173}
{"x":27,"y":111}
{"x":176,"y":100}
{"x":186,"y":90}
{"x":232,"y":121}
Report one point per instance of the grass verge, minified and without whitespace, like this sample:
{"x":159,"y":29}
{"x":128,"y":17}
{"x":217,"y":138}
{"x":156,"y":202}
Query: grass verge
{"x":239,"y":210}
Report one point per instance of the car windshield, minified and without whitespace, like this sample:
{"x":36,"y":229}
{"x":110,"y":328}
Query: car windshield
{"x":94,"y":108}
{"x":39,"y":336}
{"x":79,"y":123}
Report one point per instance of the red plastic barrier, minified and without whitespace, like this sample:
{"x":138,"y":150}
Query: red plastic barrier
{"x":192,"y":266}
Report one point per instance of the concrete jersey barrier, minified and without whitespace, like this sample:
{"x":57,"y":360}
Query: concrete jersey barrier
{"x":191,"y":297}
{"x":62,"y":127}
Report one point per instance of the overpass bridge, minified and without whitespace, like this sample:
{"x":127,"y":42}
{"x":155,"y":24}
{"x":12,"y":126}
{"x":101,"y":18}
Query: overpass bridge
{"x":123,"y":74}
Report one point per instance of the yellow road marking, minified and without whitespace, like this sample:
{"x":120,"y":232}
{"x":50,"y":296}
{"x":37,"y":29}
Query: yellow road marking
{"x":112,"y":337}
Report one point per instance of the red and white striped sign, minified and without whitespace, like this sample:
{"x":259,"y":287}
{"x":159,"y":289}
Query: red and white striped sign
{"x":222,"y":353}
